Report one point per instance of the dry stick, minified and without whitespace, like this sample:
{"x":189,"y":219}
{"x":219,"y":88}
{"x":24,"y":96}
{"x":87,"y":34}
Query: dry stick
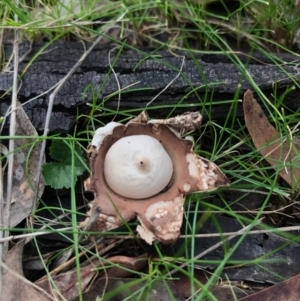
{"x":28,"y":101}
{"x":282,"y":229}
{"x":7,"y":68}
{"x":117,"y":80}
{"x":275,"y":230}
{"x":48,"y":116}
{"x":37,"y":96}
{"x":235,"y":234}
{"x":12,"y":131}
{"x":1,"y":41}
{"x":29,"y":236}
{"x":65,"y":256}
{"x":169,"y":84}
{"x":5,"y":212}
{"x":73,"y":259}
{"x":255,"y":211}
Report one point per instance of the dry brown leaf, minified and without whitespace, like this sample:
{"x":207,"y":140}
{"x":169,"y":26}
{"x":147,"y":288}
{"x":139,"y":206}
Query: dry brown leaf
{"x":67,"y":283}
{"x":129,"y":263}
{"x":288,"y":290}
{"x":281,"y":153}
{"x":122,"y":288}
{"x":14,"y":285}
{"x":25,"y":169}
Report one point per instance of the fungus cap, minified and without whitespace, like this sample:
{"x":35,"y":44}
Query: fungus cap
{"x":137,"y":167}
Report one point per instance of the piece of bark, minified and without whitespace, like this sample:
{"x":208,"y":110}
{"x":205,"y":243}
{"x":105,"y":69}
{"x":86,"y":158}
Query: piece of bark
{"x":211,"y":77}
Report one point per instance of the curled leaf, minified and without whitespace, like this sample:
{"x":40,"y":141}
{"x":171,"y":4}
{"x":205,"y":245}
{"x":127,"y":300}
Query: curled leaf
{"x":14,"y":285}
{"x":282,"y":153}
{"x":25,"y":170}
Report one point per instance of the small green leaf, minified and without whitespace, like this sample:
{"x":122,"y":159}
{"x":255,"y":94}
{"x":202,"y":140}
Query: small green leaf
{"x":59,"y":174}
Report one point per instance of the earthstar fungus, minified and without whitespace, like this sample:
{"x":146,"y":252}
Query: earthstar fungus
{"x":144,"y":169}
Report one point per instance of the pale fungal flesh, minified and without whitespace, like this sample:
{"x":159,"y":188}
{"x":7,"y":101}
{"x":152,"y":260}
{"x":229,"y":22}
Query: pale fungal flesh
{"x":137,"y":167}
{"x":124,"y":188}
{"x":102,"y":132}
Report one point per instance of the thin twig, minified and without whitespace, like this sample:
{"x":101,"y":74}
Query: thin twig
{"x":12,"y":131}
{"x":262,"y":231}
{"x":65,"y":256}
{"x":5,"y":218}
{"x":235,"y":234}
{"x":1,"y":38}
{"x":48,"y":117}
{"x":169,"y":84}
{"x":7,"y":67}
{"x":84,"y":252}
{"x":29,"y":236}
{"x":117,"y":80}
{"x":274,"y":230}
{"x":252,"y":212}
{"x":224,"y":234}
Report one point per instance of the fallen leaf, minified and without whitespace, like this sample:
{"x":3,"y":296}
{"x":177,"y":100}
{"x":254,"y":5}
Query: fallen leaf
{"x":67,"y":283}
{"x":228,"y":292}
{"x":288,"y":290}
{"x":25,"y":170}
{"x":281,"y":153}
{"x":14,"y":285}
{"x":140,"y":289}
{"x":126,"y":265}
